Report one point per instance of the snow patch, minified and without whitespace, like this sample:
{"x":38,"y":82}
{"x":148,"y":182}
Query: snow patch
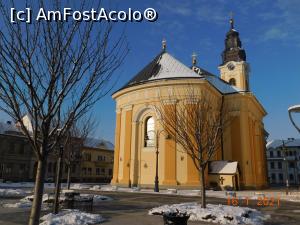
{"x":80,"y":186}
{"x":21,"y":204}
{"x":221,"y":214}
{"x":71,"y":217}
{"x":12,"y":193}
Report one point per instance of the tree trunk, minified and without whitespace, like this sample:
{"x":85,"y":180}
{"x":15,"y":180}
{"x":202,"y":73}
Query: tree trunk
{"x":203,"y":196}
{"x":58,"y":182}
{"x":34,"y":218}
{"x":69,"y":177}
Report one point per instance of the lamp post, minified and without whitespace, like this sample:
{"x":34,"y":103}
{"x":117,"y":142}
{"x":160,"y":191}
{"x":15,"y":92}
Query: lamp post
{"x":294,"y":109}
{"x":286,"y":160}
{"x":156,"y":179}
{"x":286,"y":168}
{"x":291,"y":110}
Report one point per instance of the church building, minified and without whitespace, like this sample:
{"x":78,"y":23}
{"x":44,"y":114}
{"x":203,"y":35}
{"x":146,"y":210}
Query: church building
{"x":240,"y":164}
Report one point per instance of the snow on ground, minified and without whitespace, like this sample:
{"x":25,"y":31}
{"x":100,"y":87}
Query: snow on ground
{"x":293,"y":195}
{"x":46,"y":198}
{"x":71,"y":217}
{"x":80,"y":186}
{"x":12,"y":193}
{"x":17,"y":185}
{"x":221,"y":214}
{"x":21,"y":204}
{"x":96,"y":198}
{"x":27,"y":201}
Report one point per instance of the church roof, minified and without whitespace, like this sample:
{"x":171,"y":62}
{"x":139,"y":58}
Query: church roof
{"x":221,"y":85}
{"x":165,"y":66}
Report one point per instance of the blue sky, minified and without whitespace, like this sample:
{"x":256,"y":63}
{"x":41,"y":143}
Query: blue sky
{"x":269,"y":31}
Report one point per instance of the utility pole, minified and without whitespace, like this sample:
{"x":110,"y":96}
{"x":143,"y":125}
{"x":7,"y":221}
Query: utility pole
{"x":58,"y":180}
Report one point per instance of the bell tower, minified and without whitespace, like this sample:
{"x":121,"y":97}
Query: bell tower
{"x":234,"y":68}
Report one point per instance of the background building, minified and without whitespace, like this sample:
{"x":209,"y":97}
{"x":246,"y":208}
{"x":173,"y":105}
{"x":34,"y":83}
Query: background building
{"x":136,"y":118}
{"x":18,"y":161}
{"x":16,"y":157}
{"x":283,"y":161}
{"x":97,"y":161}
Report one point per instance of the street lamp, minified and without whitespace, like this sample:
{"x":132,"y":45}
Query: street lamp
{"x":294,"y":109}
{"x":286,"y":160}
{"x":286,"y":168}
{"x":156,"y":180}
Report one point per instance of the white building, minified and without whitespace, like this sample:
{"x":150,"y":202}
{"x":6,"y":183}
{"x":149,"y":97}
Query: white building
{"x":283,"y":158}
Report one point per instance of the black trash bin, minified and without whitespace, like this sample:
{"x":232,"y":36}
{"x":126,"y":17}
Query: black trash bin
{"x":175,"y":218}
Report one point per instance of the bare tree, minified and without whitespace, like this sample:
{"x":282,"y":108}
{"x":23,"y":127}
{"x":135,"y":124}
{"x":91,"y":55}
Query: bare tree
{"x":75,"y":139}
{"x":196,"y":122}
{"x":54,"y":72}
{"x":70,"y":152}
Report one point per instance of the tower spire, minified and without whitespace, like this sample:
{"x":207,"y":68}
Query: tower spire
{"x":231,"y":21}
{"x":233,"y":46}
{"x":194,"y":59}
{"x":164,"y":44}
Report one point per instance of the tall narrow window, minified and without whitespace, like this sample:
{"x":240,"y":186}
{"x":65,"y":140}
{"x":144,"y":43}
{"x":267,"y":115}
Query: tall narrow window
{"x":232,"y":82}
{"x":149,"y":132}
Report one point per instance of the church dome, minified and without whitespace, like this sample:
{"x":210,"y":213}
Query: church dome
{"x":163,"y":66}
{"x":166,"y":67}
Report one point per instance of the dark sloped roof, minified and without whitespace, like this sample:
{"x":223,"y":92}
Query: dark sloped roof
{"x":165,"y":66}
{"x":151,"y":69}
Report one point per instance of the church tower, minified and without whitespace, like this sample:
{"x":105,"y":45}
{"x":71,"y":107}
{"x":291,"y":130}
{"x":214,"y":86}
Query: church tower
{"x":234,"y":68}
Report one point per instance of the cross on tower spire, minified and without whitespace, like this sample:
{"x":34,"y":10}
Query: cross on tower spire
{"x":231,"y":21}
{"x":164,"y":44}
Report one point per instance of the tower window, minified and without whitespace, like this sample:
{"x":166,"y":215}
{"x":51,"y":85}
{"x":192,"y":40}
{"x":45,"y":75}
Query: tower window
{"x":149,"y":132}
{"x":232,"y":82}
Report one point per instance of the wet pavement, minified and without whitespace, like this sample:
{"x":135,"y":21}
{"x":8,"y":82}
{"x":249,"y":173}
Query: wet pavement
{"x":132,"y":209}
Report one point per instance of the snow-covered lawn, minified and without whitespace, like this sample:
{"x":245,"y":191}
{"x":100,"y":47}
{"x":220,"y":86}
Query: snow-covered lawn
{"x":71,"y":217}
{"x":17,"y":185}
{"x":293,"y":195}
{"x":96,"y":198}
{"x":80,"y":186}
{"x":12,"y":193}
{"x":27,"y":201}
{"x":21,"y":204}
{"x":46,"y":198}
{"x":221,"y":214}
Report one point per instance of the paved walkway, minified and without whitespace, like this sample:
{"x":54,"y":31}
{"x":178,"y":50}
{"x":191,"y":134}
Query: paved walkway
{"x":132,"y":208}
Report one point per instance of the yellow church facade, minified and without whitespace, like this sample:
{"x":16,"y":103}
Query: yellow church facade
{"x":139,"y":135}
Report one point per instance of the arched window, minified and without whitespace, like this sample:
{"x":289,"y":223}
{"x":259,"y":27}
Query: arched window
{"x":149,"y":132}
{"x":232,"y":82}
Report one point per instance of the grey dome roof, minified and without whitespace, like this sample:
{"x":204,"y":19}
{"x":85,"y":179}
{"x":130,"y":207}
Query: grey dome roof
{"x":165,"y":66}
